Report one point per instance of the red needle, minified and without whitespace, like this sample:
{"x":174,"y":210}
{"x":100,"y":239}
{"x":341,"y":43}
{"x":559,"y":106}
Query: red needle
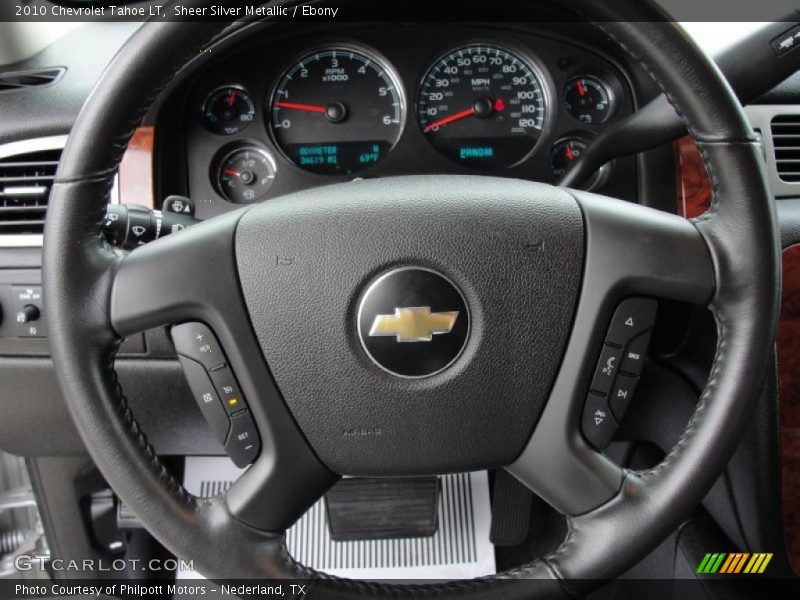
{"x":306,"y":107}
{"x":581,"y":89}
{"x":231,"y":172}
{"x":570,"y":153}
{"x":232,"y":99}
{"x":450,"y":119}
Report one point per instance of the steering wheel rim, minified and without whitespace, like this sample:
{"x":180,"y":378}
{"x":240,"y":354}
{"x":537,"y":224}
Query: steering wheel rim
{"x":728,"y":258}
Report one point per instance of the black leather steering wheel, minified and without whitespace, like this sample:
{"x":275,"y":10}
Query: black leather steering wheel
{"x":289,"y":328}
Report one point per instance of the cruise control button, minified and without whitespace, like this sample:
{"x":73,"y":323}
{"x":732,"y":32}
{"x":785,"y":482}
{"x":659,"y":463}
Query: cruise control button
{"x":606,"y":370}
{"x":196,"y":341}
{"x":635,"y":351}
{"x":632,"y":317}
{"x":598,"y":423}
{"x":206,"y":397}
{"x":621,"y":395}
{"x":243,"y":444}
{"x":228,"y":390}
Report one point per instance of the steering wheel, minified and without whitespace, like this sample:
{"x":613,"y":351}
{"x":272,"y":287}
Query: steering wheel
{"x":538,"y":271}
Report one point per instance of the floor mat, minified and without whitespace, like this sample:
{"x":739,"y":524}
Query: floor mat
{"x":459,"y":549}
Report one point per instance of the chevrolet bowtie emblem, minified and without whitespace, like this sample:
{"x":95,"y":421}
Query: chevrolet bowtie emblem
{"x":416,"y":324}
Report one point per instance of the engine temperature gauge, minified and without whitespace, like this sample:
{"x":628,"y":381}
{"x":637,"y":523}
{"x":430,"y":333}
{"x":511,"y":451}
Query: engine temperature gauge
{"x":589,"y":99}
{"x":245,"y":174}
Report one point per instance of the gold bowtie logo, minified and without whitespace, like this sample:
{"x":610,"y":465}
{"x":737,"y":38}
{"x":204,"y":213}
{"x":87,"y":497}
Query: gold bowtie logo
{"x":417,"y":324}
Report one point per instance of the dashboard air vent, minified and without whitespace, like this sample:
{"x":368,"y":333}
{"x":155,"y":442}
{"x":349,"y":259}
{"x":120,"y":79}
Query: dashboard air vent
{"x":25,"y":181}
{"x":26,"y":79}
{"x":786,"y":141}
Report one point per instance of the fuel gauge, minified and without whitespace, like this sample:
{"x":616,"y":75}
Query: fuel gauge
{"x":245,"y":174}
{"x":589,"y":99}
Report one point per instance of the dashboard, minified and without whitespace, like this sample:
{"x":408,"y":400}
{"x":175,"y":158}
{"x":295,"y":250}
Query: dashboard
{"x":370,"y":101}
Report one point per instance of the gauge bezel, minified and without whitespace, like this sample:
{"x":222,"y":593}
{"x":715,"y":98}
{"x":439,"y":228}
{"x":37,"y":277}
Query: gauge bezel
{"x":209,"y":95}
{"x":600,"y":177}
{"x":346,"y":46}
{"x":523,"y":54}
{"x":612,"y":87}
{"x":225,"y":153}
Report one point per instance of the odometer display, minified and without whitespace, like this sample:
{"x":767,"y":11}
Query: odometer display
{"x":337,"y":111}
{"x":483,"y":106}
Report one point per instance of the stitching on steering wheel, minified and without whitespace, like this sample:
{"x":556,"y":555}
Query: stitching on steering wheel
{"x":134,"y":429}
{"x":176,"y":489}
{"x":702,"y":404}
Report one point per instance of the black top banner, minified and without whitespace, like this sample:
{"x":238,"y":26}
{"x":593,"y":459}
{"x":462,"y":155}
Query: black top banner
{"x":350,"y":10}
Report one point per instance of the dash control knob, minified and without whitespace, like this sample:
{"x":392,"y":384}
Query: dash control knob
{"x":28,"y":314}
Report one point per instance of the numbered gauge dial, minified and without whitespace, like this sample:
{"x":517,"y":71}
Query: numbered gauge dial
{"x":567,"y":151}
{"x":337,"y":111}
{"x":589,"y":99}
{"x":228,"y":110}
{"x":245,"y":174}
{"x":483,"y":106}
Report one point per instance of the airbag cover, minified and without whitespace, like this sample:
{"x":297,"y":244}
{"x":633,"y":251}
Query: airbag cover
{"x":513,"y":249}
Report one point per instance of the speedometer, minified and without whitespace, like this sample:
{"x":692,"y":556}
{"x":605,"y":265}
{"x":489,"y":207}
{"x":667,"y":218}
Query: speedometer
{"x":483,"y":105}
{"x":337,"y":110}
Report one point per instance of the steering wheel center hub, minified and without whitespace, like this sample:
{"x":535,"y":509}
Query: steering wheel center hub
{"x":413,"y":322}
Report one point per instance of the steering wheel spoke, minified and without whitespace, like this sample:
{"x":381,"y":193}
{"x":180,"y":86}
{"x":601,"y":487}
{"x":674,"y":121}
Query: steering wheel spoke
{"x":631,"y":251}
{"x":187,"y":276}
{"x":191,"y":276}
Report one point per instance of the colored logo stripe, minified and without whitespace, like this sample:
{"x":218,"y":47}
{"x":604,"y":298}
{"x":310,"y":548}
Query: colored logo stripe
{"x":737,"y":562}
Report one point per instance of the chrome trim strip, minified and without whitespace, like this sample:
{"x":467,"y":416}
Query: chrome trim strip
{"x":760,"y":117}
{"x":20,"y":241}
{"x":54,"y":142}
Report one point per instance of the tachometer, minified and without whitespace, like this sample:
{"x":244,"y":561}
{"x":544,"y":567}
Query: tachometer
{"x":483,"y":105}
{"x":337,"y":110}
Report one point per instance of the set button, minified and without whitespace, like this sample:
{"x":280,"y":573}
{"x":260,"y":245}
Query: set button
{"x":243,"y":443}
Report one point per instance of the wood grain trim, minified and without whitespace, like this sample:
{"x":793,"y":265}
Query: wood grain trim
{"x":694,"y":198}
{"x":693,"y":184}
{"x":136,"y":169}
{"x":789,"y":385}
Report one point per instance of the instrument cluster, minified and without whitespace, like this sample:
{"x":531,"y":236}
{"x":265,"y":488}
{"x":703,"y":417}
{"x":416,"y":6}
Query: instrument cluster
{"x":375,"y":105}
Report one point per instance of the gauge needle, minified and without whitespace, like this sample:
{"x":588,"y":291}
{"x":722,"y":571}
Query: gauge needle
{"x":581,"y":88}
{"x":305,"y":107}
{"x":232,"y":99}
{"x":570,"y":153}
{"x":231,"y":172}
{"x":464,"y":113}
